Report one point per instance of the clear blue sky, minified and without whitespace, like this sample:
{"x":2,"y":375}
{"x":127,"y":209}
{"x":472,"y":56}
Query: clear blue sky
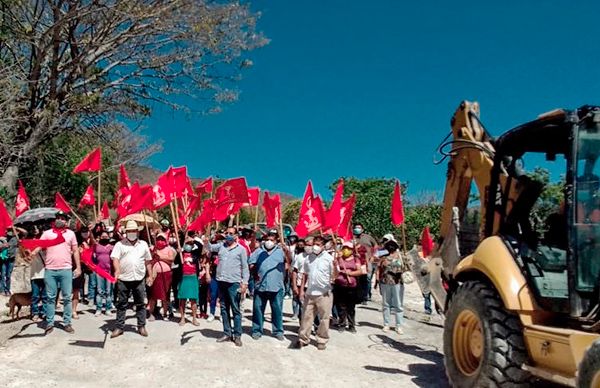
{"x":367,"y":88}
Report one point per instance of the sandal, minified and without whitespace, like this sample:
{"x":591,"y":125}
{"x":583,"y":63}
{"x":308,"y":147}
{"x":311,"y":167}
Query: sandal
{"x":195,"y":323}
{"x":182,"y":323}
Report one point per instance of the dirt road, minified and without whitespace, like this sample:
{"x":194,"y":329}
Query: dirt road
{"x":186,"y":356}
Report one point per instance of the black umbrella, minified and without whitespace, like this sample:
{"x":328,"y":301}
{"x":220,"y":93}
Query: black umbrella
{"x":36,"y":215}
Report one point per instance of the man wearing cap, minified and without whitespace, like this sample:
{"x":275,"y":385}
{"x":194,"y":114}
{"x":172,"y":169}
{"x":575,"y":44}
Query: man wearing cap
{"x":131,"y":259}
{"x":59,"y":272}
{"x":268,"y":265}
{"x":232,"y":277}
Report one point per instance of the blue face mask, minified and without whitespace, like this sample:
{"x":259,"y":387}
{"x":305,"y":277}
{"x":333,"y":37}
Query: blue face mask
{"x":187,"y":248}
{"x":229,"y":239}
{"x":357,"y":231}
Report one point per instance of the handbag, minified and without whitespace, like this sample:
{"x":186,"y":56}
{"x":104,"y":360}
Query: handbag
{"x":407,"y":277}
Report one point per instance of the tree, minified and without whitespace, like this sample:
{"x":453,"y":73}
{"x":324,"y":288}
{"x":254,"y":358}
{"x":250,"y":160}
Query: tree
{"x":84,"y":67}
{"x":373,"y":209}
{"x":291,"y":212}
{"x":549,"y":200}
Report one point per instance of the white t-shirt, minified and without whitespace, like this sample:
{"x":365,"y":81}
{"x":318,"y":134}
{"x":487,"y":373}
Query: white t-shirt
{"x":319,"y":270}
{"x":297,"y":264}
{"x":37,"y":266}
{"x":132,"y":259}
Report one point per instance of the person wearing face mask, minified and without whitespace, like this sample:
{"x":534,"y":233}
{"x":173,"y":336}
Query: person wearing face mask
{"x":232,"y":277}
{"x":163,"y":257}
{"x":188,"y":287}
{"x":318,"y":272}
{"x":131,"y":259}
{"x":102,"y":250}
{"x":292,"y":241}
{"x":268,"y":262}
{"x":303,"y":250}
{"x":344,"y":292}
{"x":391,"y":287}
{"x":59,"y":272}
{"x":365,"y":242}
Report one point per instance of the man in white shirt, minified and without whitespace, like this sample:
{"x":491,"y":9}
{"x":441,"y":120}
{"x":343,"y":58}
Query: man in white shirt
{"x":131,"y":259}
{"x":303,"y":250}
{"x":318,"y":273}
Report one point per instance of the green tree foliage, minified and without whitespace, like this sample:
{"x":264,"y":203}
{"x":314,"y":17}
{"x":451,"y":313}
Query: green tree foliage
{"x":291,"y":211}
{"x":549,"y":200}
{"x":373,"y":209}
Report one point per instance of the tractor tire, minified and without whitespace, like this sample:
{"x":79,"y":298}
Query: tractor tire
{"x":483,"y":342}
{"x":588,"y":373}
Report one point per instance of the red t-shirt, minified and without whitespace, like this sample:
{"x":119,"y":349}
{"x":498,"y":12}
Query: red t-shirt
{"x":188,"y":264}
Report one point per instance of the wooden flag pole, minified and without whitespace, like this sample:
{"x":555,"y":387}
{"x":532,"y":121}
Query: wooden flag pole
{"x":150,"y":239}
{"x":99,"y":194}
{"x":176,"y":228}
{"x":256,"y":217}
{"x":237,"y":218}
{"x":403,"y":238}
{"x":95,"y":214}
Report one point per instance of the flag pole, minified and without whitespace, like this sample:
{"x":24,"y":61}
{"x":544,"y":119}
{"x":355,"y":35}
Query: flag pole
{"x":150,"y":239}
{"x":403,"y":238}
{"x":95,"y":214}
{"x":176,"y":228}
{"x":237,"y":218}
{"x":99,"y":193}
{"x":255,"y":217}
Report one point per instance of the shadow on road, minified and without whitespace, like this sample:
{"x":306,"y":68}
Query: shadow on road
{"x":370,"y":324}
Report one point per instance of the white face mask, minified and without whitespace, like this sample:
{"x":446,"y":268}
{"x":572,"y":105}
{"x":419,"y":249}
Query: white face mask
{"x":269,"y":245}
{"x":132,"y":236}
{"x":317,"y":249}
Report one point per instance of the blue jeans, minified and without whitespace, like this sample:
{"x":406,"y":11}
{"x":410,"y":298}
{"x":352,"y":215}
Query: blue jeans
{"x":92,"y":284}
{"x":230,"y":300}
{"x":251,"y":283}
{"x":297,"y":307}
{"x":7,"y":268}
{"x":38,"y":294}
{"x":392,"y":298}
{"x":53,"y":279}
{"x":275,"y":300}
{"x":427,"y":302}
{"x":214,"y":294}
{"x":105,"y":292}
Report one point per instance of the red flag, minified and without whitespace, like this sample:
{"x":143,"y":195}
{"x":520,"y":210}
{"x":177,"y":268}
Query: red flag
{"x":224,"y":210}
{"x":61,"y":204}
{"x":311,"y":213}
{"x":426,"y":242}
{"x":205,"y":218}
{"x":333,"y":215}
{"x":205,"y":187}
{"x":141,"y":198}
{"x":232,"y":191}
{"x":92,"y":162}
{"x":31,"y":244}
{"x":397,"y":208}
{"x":123,"y":177}
{"x":86,"y":258}
{"x":162,"y":191}
{"x":124,"y":198}
{"x":22,"y":201}
{"x":253,"y":195}
{"x":88,"y":198}
{"x":105,"y":212}
{"x":272,"y":206}
{"x":346,"y":213}
{"x":194,"y":206}
{"x":5,"y":220}
{"x":180,"y":182}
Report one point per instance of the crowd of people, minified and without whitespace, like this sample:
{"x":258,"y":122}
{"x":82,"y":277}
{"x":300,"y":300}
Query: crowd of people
{"x":164,"y":271}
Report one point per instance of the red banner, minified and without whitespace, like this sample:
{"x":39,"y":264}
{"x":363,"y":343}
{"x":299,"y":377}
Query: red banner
{"x":232,"y":191}
{"x":123,"y":177}
{"x":61,"y":204}
{"x":426,"y":242}
{"x":311,"y":213}
{"x":105,"y":212}
{"x":88,"y":198}
{"x":22,"y":201}
{"x":397,"y":207}
{"x":91,"y":162}
{"x":5,"y":220}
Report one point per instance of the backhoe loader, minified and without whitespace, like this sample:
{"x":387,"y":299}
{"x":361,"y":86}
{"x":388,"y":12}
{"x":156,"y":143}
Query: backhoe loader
{"x":521,"y":306}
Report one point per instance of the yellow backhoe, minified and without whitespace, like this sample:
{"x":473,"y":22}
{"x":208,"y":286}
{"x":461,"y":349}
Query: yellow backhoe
{"x":520,"y":306}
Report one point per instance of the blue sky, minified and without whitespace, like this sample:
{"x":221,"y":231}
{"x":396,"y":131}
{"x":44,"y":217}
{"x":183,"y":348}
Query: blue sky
{"x":367,"y":88}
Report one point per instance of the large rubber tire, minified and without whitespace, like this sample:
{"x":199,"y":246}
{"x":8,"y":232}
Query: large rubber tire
{"x":502,"y":350}
{"x":588,"y":374}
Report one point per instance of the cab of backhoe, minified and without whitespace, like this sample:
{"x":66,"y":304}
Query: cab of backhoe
{"x":559,"y":255}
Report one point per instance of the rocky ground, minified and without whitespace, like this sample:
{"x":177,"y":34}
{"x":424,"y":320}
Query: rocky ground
{"x":182,"y":356}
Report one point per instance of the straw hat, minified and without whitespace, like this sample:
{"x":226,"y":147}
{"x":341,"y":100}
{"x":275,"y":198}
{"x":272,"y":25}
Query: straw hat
{"x":132,"y":225}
